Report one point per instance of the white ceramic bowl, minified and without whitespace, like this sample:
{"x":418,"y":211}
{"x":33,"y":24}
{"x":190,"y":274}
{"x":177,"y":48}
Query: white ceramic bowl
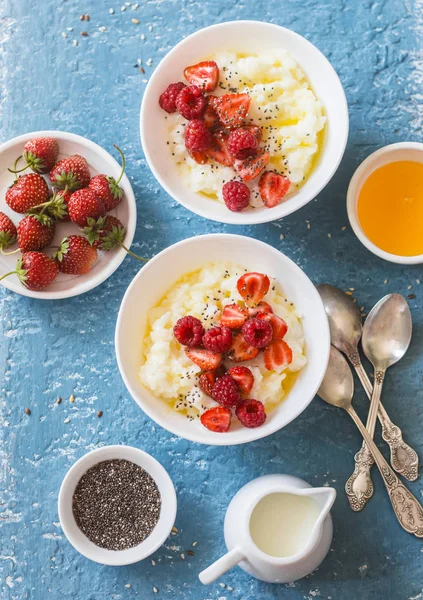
{"x":165,"y":269}
{"x":412,"y":151}
{"x":100,"y":161}
{"x":254,"y":37}
{"x":159,"y":534}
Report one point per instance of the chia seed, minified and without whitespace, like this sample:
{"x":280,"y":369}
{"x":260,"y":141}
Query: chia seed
{"x":116,"y":504}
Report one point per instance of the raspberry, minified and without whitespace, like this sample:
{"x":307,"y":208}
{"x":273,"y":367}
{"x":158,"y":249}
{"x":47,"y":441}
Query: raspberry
{"x":197,"y":137}
{"x":189,"y":331}
{"x":168,"y":98}
{"x":242,"y":143}
{"x":236,"y":195}
{"x":191,"y":102}
{"x":257,"y":333}
{"x":218,"y":339}
{"x":226,"y":392}
{"x":251,"y":413}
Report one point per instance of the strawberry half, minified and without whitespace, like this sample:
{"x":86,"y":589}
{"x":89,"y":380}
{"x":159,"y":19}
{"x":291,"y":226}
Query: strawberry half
{"x":233,"y":316}
{"x":219,"y":150}
{"x":277,"y":355}
{"x":273,"y":187}
{"x":261,"y":308}
{"x":240,"y":350}
{"x":211,"y":120}
{"x":217,"y":419}
{"x":279,"y":327}
{"x":205,"y":75}
{"x":205,"y":359}
{"x":250,"y":168}
{"x":231,"y":109}
{"x":252,"y":287}
{"x":243,"y":377}
{"x":206,"y":382}
{"x":200,"y":157}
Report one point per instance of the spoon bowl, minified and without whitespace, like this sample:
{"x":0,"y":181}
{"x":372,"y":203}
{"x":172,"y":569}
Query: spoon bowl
{"x":387,"y":332}
{"x":337,"y":387}
{"x":343,"y":316}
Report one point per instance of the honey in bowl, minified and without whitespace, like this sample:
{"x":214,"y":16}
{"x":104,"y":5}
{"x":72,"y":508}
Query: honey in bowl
{"x":390,"y":208}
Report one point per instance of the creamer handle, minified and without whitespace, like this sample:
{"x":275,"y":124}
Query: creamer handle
{"x":223,"y":564}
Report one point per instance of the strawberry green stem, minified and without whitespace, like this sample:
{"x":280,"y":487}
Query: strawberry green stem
{"x":9,"y":253}
{"x":134,"y":255}
{"x":7,"y":274}
{"x":15,"y":170}
{"x":123,"y":163}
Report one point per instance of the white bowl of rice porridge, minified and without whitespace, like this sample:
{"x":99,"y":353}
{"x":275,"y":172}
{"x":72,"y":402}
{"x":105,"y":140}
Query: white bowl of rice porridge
{"x":199,"y":276}
{"x":295,"y":98}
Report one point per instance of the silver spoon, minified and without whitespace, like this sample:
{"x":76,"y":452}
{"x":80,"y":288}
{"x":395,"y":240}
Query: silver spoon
{"x":338,"y":389}
{"x":346,"y":330}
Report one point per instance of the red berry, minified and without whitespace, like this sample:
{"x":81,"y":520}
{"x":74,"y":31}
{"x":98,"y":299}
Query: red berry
{"x":273,"y":187}
{"x":83,"y":205}
{"x":236,"y":195}
{"x":218,"y":339}
{"x":231,"y":108}
{"x":107,"y":234}
{"x":251,"y":413}
{"x":217,"y":419}
{"x":76,"y":256}
{"x":233,"y":316}
{"x":168,"y":98}
{"x":206,"y":381}
{"x":242,"y":143}
{"x":41,"y":154}
{"x":36,"y":270}
{"x":243,"y":377}
{"x":279,"y":326}
{"x":204,"y":74}
{"x":226,"y":391}
{"x":197,"y":137}
{"x":260,"y":309}
{"x":203,"y":358}
{"x":8,"y":232}
{"x":252,"y":287}
{"x":257,"y":332}
{"x":251,"y":167}
{"x":28,"y":191}
{"x":189,"y":331}
{"x":240,"y":350}
{"x":71,"y":173}
{"x":191,"y":102}
{"x":35,"y":232}
{"x":106,"y":188}
{"x":277,"y":355}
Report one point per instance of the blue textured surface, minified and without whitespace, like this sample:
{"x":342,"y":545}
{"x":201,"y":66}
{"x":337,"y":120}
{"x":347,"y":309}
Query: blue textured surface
{"x":52,"y":349}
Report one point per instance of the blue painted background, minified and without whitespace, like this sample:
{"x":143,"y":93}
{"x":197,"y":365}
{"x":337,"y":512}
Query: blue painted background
{"x":52,"y":349}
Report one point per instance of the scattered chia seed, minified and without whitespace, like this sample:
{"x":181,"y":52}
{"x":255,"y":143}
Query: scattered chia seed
{"x":116,"y":504}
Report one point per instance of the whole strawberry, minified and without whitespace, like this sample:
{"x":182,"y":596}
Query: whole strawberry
{"x":75,"y":256}
{"x":27,"y":192}
{"x":107,"y":233}
{"x":83,"y":205}
{"x":8,"y":233}
{"x":71,"y":173}
{"x":35,"y":232}
{"x":40,"y":154}
{"x":107,"y":188}
{"x":35,"y":270}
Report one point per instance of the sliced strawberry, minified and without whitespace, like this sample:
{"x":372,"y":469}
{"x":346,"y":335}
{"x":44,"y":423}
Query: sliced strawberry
{"x":199,"y":157}
{"x":250,"y":168}
{"x":232,"y":109}
{"x":211,"y":120}
{"x":261,"y":308}
{"x":256,"y":130}
{"x":240,"y":350}
{"x":273,"y":188}
{"x":217,"y":419}
{"x":207,"y":381}
{"x":233,"y":316}
{"x":219,"y":151}
{"x":252,"y":287}
{"x":243,"y":377}
{"x":277,"y":355}
{"x":205,"y":359}
{"x":205,"y":75}
{"x":279,"y":327}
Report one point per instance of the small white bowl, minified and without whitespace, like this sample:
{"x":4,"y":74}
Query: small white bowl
{"x":99,"y":161}
{"x":412,"y":151}
{"x":253,"y":37}
{"x":159,"y":534}
{"x":165,"y":269}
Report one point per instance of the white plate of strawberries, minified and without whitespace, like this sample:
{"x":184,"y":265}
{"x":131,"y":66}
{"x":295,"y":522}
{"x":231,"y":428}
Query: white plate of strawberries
{"x":67,"y":214}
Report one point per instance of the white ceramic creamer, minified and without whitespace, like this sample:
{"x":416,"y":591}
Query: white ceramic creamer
{"x":278,"y":529}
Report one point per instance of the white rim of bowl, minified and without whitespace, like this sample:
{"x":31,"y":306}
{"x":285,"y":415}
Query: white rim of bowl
{"x":231,"y":219}
{"x":352,"y":200}
{"x":220,"y":441}
{"x":130,"y":226}
{"x":164,"y":476}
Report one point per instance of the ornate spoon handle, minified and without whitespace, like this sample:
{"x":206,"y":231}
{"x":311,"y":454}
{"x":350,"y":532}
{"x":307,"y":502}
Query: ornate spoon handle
{"x":407,"y":509}
{"x":403,"y":458}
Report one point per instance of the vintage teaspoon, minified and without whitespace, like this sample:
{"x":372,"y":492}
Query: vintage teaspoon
{"x":346,"y":330}
{"x":338,"y":389}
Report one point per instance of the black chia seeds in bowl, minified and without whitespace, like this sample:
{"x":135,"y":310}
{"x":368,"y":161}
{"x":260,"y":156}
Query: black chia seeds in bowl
{"x":116,"y":504}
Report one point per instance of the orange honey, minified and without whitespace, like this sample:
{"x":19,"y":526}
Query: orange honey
{"x":390,"y":208}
